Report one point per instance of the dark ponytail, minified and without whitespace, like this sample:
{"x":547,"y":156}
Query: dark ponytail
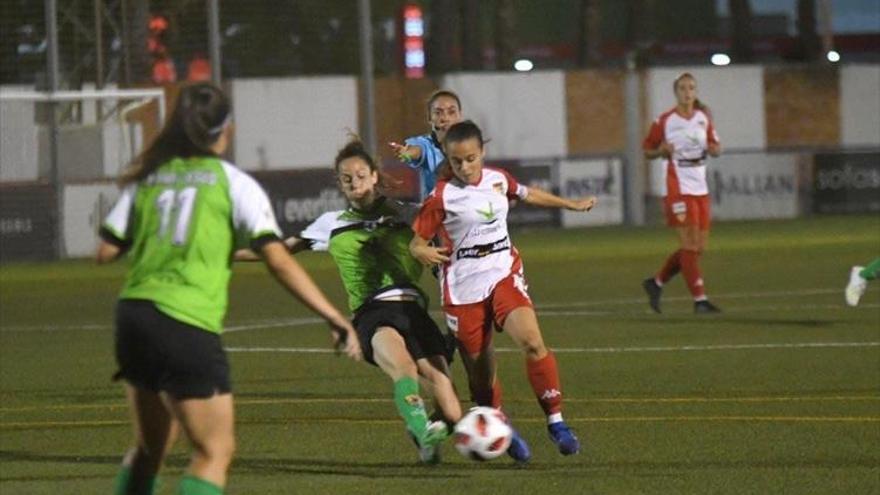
{"x":199,"y":117}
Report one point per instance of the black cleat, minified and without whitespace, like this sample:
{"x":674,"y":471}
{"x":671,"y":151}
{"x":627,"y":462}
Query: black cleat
{"x":705,"y":307}
{"x":654,"y":292}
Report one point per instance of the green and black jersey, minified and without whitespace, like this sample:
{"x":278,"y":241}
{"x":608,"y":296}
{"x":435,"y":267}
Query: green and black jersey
{"x":181,"y":225}
{"x":370,"y":248}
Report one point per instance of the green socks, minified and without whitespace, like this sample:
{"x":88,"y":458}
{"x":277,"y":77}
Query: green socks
{"x":124,"y":477}
{"x":190,"y":485}
{"x":411,"y":407}
{"x":870,"y":272}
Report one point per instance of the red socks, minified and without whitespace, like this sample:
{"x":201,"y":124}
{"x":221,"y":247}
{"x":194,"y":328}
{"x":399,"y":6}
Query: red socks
{"x":670,"y":268}
{"x":690,"y":269}
{"x":491,"y":397}
{"x":544,"y":377}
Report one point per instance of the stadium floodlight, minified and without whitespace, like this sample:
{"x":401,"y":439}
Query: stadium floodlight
{"x":523,"y":65}
{"x":720,"y":59}
{"x":833,"y":56}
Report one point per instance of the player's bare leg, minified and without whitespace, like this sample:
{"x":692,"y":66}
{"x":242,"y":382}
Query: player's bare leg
{"x":210,"y":426}
{"x":155,"y":431}
{"x":522,"y":326}
{"x":435,"y":372}
{"x":391,"y":355}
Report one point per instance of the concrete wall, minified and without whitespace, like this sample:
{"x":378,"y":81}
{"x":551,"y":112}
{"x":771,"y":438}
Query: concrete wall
{"x":735,"y":96}
{"x":292,"y":123}
{"x":860,"y":105}
{"x":523,"y":114}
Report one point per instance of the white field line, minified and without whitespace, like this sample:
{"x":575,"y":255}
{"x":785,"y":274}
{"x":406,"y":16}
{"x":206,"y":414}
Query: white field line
{"x":545,"y":310}
{"x":604,"y":350}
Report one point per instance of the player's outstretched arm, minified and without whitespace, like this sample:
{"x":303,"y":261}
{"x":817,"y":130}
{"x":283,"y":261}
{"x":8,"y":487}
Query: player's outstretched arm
{"x":294,"y":245}
{"x":539,"y":197}
{"x":427,"y":254}
{"x":406,"y":152}
{"x":294,"y":278}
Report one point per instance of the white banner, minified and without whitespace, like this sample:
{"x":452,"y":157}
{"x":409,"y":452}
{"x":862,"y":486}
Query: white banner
{"x":85,"y":206}
{"x":602,"y":178}
{"x":754,"y":185}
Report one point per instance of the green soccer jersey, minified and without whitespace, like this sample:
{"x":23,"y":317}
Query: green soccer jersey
{"x":182,"y":224}
{"x":370,"y":248}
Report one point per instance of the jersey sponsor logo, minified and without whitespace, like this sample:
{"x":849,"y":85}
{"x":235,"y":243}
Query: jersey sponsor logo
{"x":550,"y":393}
{"x":488,"y":215}
{"x":483,"y":250}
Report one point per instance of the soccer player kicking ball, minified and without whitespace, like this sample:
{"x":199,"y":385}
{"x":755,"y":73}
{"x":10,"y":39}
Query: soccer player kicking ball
{"x":858,"y":281}
{"x":481,"y":276}
{"x":369,"y":243}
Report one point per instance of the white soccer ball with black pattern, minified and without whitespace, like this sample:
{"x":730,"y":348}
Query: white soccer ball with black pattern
{"x":482,"y":434}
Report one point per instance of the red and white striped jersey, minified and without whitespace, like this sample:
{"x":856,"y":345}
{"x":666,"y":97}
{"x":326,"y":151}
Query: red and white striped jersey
{"x":686,"y":168}
{"x":471,"y":220}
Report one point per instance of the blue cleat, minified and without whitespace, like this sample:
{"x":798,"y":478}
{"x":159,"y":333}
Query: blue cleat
{"x":564,"y":438}
{"x":519,"y":450}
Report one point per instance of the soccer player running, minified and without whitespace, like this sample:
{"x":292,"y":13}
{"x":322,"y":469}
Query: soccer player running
{"x":858,"y":281}
{"x":481,"y":276}
{"x":180,"y":214}
{"x":425,"y":152}
{"x":684,"y":135}
{"x":369,"y":244}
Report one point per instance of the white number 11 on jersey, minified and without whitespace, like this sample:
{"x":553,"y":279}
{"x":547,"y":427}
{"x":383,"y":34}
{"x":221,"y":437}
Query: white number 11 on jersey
{"x":178,"y":202}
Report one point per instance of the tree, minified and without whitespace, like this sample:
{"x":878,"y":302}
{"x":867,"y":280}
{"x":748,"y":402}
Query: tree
{"x":505,"y":34}
{"x":741,"y":30}
{"x":439,"y":54}
{"x":809,"y":45}
{"x":589,"y":33}
{"x":136,"y":18}
{"x":471,"y":41}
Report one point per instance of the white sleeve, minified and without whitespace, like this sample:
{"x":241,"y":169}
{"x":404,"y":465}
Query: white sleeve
{"x":252,"y":215}
{"x":118,"y":221}
{"x":319,"y":231}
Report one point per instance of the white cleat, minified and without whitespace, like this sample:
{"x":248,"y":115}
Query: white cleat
{"x":856,"y":286}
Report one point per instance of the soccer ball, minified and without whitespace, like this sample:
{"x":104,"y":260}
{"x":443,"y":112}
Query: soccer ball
{"x":482,"y":434}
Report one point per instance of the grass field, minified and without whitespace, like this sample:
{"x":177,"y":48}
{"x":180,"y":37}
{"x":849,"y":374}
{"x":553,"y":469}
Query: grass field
{"x":779,"y":394}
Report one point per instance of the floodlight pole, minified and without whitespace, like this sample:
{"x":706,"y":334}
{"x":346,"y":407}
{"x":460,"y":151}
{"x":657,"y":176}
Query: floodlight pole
{"x":54,"y":172}
{"x":214,"y":39}
{"x":368,"y":103}
{"x":634,"y":177}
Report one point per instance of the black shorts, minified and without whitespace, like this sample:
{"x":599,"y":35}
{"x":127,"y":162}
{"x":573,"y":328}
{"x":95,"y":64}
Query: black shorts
{"x":158,"y":353}
{"x":412,"y":322}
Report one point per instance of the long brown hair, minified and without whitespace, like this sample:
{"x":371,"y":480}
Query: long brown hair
{"x":355,"y":148}
{"x":699,"y":105}
{"x":199,"y":117}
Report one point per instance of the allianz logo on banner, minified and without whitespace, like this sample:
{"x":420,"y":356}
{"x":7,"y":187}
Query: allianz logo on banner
{"x":755,"y":184}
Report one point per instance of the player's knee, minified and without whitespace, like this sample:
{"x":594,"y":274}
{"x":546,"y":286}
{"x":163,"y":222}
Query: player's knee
{"x":534,"y":348}
{"x":217,"y":451}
